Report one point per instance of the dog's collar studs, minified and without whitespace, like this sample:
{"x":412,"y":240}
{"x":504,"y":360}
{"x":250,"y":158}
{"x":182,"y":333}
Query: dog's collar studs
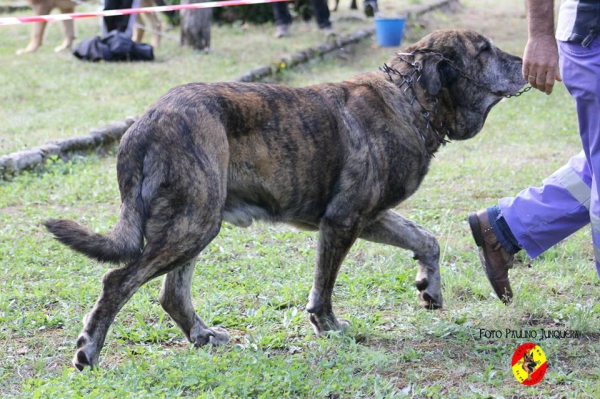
{"x":407,"y":79}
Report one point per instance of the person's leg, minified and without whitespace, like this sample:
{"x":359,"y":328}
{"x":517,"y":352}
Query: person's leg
{"x":580,"y":67}
{"x":283,"y":19}
{"x":132,"y":19}
{"x":66,"y":7}
{"x":321,"y":13}
{"x":540,"y":217}
{"x":37,"y":33}
{"x":103,"y":27}
{"x":282,"y":14}
{"x":535,"y":220}
{"x":118,"y":22}
{"x":370,"y":7}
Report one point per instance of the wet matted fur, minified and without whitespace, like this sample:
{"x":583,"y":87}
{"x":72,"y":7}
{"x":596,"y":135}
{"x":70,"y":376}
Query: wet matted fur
{"x":332,"y":157}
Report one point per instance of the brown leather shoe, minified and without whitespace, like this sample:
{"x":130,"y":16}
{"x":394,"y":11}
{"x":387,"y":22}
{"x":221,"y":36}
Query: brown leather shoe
{"x":494,"y":257}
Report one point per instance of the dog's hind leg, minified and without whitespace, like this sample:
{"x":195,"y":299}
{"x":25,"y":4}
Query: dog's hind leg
{"x":182,"y":220}
{"x":337,"y":233}
{"x":393,"y":229}
{"x":175,"y":298}
{"x":118,"y":286}
{"x":173,"y":249}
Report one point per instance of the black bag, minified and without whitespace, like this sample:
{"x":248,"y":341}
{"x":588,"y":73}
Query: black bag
{"x":116,"y":46}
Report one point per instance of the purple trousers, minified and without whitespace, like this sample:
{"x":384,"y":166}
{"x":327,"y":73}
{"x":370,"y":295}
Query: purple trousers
{"x":569,"y":199}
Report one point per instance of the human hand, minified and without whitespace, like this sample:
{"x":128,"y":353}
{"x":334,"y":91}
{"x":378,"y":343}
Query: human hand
{"x":540,"y":63}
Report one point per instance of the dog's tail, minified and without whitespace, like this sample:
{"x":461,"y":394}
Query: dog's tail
{"x":122,"y":244}
{"x":126,"y":240}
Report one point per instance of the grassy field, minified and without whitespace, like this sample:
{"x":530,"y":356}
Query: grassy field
{"x":395,"y":349}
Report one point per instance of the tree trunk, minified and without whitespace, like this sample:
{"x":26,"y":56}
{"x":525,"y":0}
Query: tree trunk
{"x":195,"y":26}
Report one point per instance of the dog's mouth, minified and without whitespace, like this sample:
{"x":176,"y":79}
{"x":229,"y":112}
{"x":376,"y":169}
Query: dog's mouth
{"x":510,"y":90}
{"x":516,"y":87}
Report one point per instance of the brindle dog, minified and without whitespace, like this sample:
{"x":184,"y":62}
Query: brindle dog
{"x":336,"y":158}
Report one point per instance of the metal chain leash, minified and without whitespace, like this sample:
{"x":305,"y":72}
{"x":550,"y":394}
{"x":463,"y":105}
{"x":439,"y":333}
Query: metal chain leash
{"x":525,"y":90}
{"x":408,"y":79}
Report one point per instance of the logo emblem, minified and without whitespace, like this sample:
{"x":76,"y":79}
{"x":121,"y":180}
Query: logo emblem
{"x":529,"y":364}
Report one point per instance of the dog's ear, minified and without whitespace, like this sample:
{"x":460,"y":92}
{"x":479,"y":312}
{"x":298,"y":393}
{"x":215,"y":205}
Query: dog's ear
{"x":431,"y":78}
{"x":436,"y":73}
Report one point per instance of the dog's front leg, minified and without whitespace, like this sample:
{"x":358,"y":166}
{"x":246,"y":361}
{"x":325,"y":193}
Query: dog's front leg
{"x":336,"y":236}
{"x":393,"y":229}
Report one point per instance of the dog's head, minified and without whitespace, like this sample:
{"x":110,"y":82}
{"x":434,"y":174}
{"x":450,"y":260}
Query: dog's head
{"x":468,"y":74}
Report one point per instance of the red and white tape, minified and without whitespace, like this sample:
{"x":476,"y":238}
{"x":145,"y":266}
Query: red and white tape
{"x":127,"y":11}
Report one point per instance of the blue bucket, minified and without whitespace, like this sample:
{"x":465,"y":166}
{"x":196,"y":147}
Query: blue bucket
{"x":389,"y":31}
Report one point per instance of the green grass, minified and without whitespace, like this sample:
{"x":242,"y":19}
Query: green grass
{"x":395,"y":349}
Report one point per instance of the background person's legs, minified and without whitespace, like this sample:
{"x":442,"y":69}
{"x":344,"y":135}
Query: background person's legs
{"x":118,"y":22}
{"x":370,"y":7}
{"x":321,"y":13}
{"x":283,"y":19}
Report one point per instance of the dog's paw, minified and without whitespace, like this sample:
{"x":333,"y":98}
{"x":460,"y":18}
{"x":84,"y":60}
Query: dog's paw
{"x":86,"y":355}
{"x":429,"y":301}
{"x":201,"y":335}
{"x":324,"y":324}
